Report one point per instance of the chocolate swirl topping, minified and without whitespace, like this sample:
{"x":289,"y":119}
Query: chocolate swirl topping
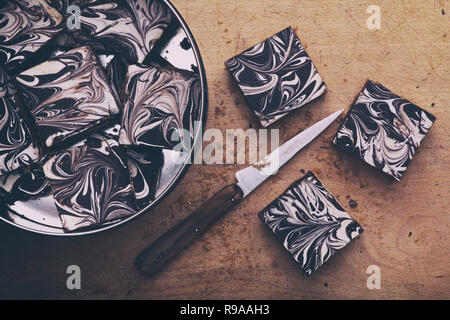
{"x":67,"y":95}
{"x":129,"y":28}
{"x":25,"y":26}
{"x":23,"y":186}
{"x":276,"y":76}
{"x":310,"y":223}
{"x":91,"y":184}
{"x":16,"y":147}
{"x":161,"y":103}
{"x":145,"y":166}
{"x":383,"y":129}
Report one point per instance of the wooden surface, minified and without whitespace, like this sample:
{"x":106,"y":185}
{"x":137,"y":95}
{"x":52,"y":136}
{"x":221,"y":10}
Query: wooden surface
{"x":406,"y":223}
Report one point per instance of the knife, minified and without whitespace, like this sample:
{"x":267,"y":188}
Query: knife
{"x":171,"y":243}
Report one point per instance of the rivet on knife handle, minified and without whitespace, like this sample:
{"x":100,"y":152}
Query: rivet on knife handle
{"x":171,"y":243}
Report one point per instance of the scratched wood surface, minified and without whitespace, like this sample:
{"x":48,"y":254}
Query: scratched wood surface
{"x":406,"y":223}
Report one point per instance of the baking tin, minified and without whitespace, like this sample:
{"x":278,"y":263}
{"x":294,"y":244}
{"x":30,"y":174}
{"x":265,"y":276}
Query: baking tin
{"x":40,"y":215}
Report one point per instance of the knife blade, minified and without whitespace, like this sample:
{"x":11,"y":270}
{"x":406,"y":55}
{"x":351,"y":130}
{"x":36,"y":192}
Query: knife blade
{"x":171,"y":243}
{"x":251,"y":177}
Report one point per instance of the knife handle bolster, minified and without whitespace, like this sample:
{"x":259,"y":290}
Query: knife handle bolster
{"x":171,"y":243}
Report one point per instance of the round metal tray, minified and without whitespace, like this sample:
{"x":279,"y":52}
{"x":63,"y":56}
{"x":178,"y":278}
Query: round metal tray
{"x":40,"y":215}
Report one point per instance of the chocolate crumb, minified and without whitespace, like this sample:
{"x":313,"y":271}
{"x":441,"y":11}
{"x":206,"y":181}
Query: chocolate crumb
{"x":443,"y":12}
{"x":185,"y":44}
{"x":410,"y":234}
{"x":353,"y":204}
{"x":303,"y":171}
{"x":325,"y":284}
{"x":433,"y":104}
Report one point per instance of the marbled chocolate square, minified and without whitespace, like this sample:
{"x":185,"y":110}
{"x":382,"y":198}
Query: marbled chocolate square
{"x":25,"y":26}
{"x":91,"y":184}
{"x":128,"y":28}
{"x":16,"y":146}
{"x":23,"y":186}
{"x":310,"y":223}
{"x":67,"y":96}
{"x":276,"y":76}
{"x":161,"y":107}
{"x":383,"y":129}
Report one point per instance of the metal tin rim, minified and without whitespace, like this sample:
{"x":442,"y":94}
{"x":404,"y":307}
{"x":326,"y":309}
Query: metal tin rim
{"x":183,"y":169}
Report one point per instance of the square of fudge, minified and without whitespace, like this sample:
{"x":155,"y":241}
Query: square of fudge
{"x":127,"y":28}
{"x":91,"y":184}
{"x":383,"y":129}
{"x":310,"y":223}
{"x":25,"y":27}
{"x":67,"y":96}
{"x":276,"y":76}
{"x":145,"y":165}
{"x":16,"y":146}
{"x":113,"y":65}
{"x":161,"y":107}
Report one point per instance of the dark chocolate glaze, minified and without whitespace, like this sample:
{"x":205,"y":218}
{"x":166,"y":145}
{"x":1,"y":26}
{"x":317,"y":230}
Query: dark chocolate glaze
{"x":160,"y":103}
{"x":116,"y":73}
{"x":91,"y":184}
{"x":310,"y":223}
{"x":145,"y":166}
{"x":67,"y":96}
{"x":127,"y":28}
{"x":16,"y":146}
{"x":23,"y":186}
{"x":383,"y":129}
{"x":276,"y":76}
{"x":25,"y":26}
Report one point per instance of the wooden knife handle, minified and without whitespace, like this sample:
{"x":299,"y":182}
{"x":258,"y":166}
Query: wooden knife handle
{"x":171,"y":243}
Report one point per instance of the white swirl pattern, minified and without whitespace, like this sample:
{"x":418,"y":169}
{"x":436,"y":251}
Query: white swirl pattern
{"x":16,"y":146}
{"x":23,"y":186}
{"x":383,"y":129}
{"x":310,"y":223}
{"x":276,"y":76}
{"x":161,"y":102}
{"x":67,"y":96}
{"x":145,"y":166}
{"x":91,"y":184}
{"x":129,"y":28}
{"x":26,"y":26}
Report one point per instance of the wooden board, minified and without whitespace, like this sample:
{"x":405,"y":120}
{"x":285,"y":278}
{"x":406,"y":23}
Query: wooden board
{"x":406,"y":223}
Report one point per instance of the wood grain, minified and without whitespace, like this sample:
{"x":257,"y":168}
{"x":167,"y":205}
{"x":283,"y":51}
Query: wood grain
{"x":406,"y":223}
{"x":167,"y":247}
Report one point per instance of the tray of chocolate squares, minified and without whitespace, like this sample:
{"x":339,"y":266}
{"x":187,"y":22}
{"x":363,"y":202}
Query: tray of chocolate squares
{"x":94,"y":98}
